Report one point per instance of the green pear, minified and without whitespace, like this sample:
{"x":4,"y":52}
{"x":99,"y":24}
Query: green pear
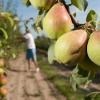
{"x":93,"y":47}
{"x":71,"y":47}
{"x":51,"y":54}
{"x":42,"y":4}
{"x":57,"y":21}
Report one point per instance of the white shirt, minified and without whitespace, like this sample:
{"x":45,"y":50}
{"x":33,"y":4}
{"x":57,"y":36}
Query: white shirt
{"x":30,"y":41}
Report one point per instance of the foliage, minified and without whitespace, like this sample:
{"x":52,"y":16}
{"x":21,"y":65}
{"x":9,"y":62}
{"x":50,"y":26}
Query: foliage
{"x":8,"y":32}
{"x":60,"y":82}
{"x":77,"y":77}
{"x":92,"y":17}
{"x":26,"y":2}
{"x":80,"y":4}
{"x":42,"y":42}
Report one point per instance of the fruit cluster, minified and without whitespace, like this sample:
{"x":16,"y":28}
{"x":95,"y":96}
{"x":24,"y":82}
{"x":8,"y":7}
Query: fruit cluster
{"x":3,"y":80}
{"x":70,"y":46}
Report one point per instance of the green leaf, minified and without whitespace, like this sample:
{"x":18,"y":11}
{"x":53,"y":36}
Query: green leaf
{"x":0,"y":44}
{"x":74,"y":14}
{"x":6,"y":14}
{"x":26,"y":2}
{"x":73,"y":79}
{"x":10,"y":20}
{"x":92,"y":16}
{"x":79,"y":78}
{"x":73,"y":83}
{"x":93,"y":96}
{"x":1,"y":52}
{"x":80,"y":4}
{"x":4,"y":33}
{"x":14,"y":55}
{"x":8,"y":17}
{"x":38,"y":22}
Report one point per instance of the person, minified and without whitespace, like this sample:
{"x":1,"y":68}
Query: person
{"x":31,"y":51}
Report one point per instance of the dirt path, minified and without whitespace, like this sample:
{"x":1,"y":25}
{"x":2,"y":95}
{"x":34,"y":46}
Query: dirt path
{"x":23,"y":87}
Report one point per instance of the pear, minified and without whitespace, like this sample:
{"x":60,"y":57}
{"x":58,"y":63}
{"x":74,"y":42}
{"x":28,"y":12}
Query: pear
{"x":3,"y":80}
{"x":70,"y":48}
{"x":42,"y":4}
{"x":93,"y":47}
{"x":57,"y":21}
{"x":3,"y":91}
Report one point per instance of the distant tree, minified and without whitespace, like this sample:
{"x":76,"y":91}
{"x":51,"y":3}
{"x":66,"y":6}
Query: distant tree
{"x":8,"y":6}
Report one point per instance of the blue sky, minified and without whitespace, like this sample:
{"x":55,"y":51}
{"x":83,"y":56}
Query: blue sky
{"x":92,"y":5}
{"x":24,"y":12}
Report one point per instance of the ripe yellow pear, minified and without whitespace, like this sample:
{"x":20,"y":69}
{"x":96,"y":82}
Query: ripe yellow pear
{"x":57,"y":21}
{"x":3,"y":91}
{"x":42,"y":4}
{"x":71,"y":47}
{"x":93,"y":47}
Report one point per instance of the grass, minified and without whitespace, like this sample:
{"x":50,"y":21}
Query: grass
{"x":60,"y":82}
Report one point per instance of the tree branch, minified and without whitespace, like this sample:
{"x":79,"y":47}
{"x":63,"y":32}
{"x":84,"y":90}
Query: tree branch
{"x":76,"y":25}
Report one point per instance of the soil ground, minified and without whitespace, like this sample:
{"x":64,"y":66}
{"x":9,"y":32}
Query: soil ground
{"x":23,"y":85}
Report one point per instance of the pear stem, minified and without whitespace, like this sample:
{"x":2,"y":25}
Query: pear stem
{"x":76,"y":24}
{"x":67,"y":8}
